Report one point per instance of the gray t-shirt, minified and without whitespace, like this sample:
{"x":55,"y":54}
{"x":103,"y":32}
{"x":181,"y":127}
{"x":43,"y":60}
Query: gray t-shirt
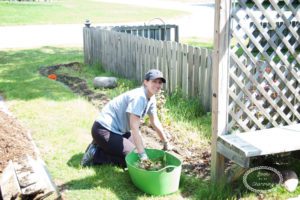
{"x":115,"y":115}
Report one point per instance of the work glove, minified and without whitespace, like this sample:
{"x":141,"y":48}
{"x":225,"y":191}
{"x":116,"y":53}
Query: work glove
{"x":167,"y":146}
{"x":143,"y":156}
{"x":168,"y":135}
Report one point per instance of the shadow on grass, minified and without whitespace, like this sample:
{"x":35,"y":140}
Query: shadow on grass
{"x":106,"y":176}
{"x":117,"y":180}
{"x":196,"y":188}
{"x":75,"y":161}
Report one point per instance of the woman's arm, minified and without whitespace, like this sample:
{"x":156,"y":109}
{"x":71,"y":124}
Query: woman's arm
{"x":156,"y":124}
{"x":134,"y":122}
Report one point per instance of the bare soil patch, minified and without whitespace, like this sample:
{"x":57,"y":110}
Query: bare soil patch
{"x":15,"y":140}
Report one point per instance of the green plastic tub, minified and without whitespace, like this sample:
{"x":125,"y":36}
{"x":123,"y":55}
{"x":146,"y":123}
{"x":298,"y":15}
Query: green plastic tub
{"x":161,"y":182}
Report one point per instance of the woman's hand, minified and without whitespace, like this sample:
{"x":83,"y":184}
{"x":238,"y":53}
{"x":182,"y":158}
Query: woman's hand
{"x":143,"y":156}
{"x":167,"y":146}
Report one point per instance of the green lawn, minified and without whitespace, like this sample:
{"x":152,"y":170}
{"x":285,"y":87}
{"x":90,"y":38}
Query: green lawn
{"x":76,"y":12}
{"x":198,"y":42}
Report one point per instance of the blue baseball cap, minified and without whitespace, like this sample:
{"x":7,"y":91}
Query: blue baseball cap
{"x":153,"y":74}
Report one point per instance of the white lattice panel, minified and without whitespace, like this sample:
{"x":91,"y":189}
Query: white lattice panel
{"x":264,"y":74}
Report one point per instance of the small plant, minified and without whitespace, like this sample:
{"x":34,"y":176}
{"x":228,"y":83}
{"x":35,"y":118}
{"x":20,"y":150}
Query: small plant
{"x":161,"y":108}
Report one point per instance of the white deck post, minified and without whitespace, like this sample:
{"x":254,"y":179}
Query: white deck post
{"x":220,"y":83}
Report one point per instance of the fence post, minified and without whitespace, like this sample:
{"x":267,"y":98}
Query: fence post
{"x":176,"y":34}
{"x":220,"y":83}
{"x":87,"y":42}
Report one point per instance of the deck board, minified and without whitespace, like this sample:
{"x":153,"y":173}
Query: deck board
{"x":263,"y":142}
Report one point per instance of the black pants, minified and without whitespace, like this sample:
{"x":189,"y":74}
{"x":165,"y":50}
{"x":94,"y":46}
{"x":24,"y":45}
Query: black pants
{"x":112,"y":147}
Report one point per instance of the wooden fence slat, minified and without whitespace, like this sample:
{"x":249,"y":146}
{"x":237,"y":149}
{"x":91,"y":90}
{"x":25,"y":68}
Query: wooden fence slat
{"x":124,"y":56}
{"x":92,"y":58}
{"x":127,"y":55}
{"x":166,"y":69}
{"x":106,"y":51}
{"x":119,"y":52}
{"x":144,"y":69}
{"x":116,"y":52}
{"x":85,"y":44}
{"x":197,"y":64}
{"x":109,"y":52}
{"x":206,"y":80}
{"x":190,"y":71}
{"x":152,"y":55}
{"x":184,"y":70}
{"x":97,"y":46}
{"x":132,"y":69}
{"x":173,"y":75}
{"x":160,"y":59}
{"x":155,"y":53}
{"x":202,"y":74}
{"x":102,"y":45}
{"x":208,"y":83}
{"x":147,"y":55}
{"x":165,"y":60}
{"x":138,"y":61}
{"x":179,"y":66}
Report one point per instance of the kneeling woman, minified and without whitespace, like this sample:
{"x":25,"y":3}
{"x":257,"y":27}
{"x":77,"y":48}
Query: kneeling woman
{"x":116,"y":131}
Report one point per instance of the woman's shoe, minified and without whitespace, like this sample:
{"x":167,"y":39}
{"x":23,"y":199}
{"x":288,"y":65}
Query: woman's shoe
{"x":88,"y":156}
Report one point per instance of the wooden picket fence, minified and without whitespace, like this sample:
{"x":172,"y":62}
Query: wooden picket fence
{"x":185,"y":67}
